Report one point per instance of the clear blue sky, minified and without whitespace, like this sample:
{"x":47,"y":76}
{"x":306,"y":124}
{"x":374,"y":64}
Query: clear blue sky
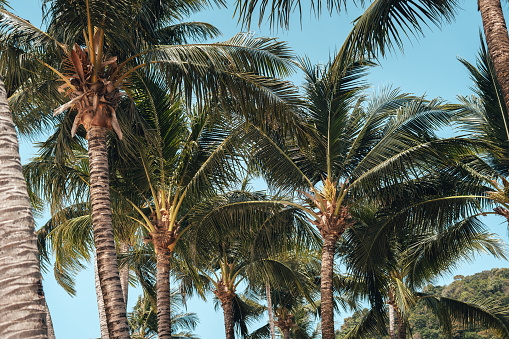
{"x":428,"y":66}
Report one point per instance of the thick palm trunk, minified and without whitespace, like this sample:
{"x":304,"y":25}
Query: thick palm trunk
{"x":103,"y":234}
{"x":227,"y":306}
{"x":271,"y":313}
{"x":495,"y":31}
{"x":286,"y":333}
{"x":163,"y":295}
{"x":327,"y":305}
{"x":22,"y":303}
{"x":103,"y":324}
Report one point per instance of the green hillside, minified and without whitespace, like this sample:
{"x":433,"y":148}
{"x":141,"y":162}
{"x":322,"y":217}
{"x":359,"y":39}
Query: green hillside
{"x":487,"y":286}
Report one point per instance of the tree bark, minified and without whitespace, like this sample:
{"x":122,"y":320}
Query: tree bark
{"x":103,"y":324}
{"x":271,"y":313}
{"x":401,"y":327}
{"x":22,"y":303}
{"x":495,"y":31}
{"x":392,"y":332}
{"x":227,"y":306}
{"x":49,"y":322}
{"x":327,"y":304}
{"x":103,"y":234}
{"x":163,"y":295}
{"x":124,"y":273}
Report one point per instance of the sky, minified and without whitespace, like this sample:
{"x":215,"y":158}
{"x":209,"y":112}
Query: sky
{"x":428,"y":66}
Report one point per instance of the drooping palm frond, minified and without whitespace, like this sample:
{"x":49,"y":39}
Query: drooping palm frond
{"x":468,"y":314}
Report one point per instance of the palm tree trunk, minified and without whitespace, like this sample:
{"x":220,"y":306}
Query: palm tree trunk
{"x":227,"y":306}
{"x":22,"y":303}
{"x":286,"y":333}
{"x":163,"y":295}
{"x":327,"y":305}
{"x":271,"y":313}
{"x":124,"y":273}
{"x":49,"y":322}
{"x":495,"y":31}
{"x":401,"y":326}
{"x":103,"y":234}
{"x":392,"y":332}
{"x":103,"y":324}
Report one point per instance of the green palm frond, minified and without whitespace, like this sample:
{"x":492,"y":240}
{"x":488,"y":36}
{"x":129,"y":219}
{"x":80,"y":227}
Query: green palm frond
{"x":381,"y":29}
{"x":468,"y":314}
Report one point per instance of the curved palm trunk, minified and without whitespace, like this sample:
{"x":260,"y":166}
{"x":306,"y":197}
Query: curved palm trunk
{"x":269,"y":310}
{"x":327,"y":305}
{"x":103,"y":234}
{"x":22,"y":303}
{"x":163,"y":295}
{"x":495,"y":31}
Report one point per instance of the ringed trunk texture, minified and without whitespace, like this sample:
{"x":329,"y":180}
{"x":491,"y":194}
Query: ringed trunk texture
{"x":392,"y":321}
{"x":163,"y":295}
{"x":495,"y":31}
{"x":103,"y":324}
{"x":271,"y":313}
{"x":124,"y":274}
{"x":49,"y":322}
{"x":327,"y":306}
{"x":22,"y":303}
{"x":227,"y":306}
{"x":103,"y":234}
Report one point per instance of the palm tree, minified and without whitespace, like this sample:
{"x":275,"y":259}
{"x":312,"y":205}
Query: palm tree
{"x":239,"y":237}
{"x":24,"y":310}
{"x":357,"y":150}
{"x":94,"y":82}
{"x":415,"y":256}
{"x":143,"y":320}
{"x":23,"y":305}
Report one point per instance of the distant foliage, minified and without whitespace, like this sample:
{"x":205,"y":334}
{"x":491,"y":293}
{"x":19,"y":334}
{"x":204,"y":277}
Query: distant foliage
{"x":485,"y":287}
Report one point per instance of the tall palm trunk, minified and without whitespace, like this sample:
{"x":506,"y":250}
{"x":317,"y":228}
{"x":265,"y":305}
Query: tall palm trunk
{"x":495,"y":31}
{"x":49,"y":322}
{"x":401,"y":326}
{"x":227,"y":306}
{"x":124,"y":273}
{"x":327,"y":304}
{"x":103,"y":324}
{"x":271,"y":313}
{"x":163,"y":295}
{"x":22,"y":303}
{"x":392,"y":321}
{"x":103,"y":234}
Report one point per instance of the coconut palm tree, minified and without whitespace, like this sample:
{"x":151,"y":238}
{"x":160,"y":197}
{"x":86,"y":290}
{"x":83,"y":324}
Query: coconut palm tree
{"x":143,"y":320}
{"x":359,"y":148}
{"x":415,"y":256}
{"x":87,"y":57}
{"x":24,"y":308}
{"x":239,"y":237}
